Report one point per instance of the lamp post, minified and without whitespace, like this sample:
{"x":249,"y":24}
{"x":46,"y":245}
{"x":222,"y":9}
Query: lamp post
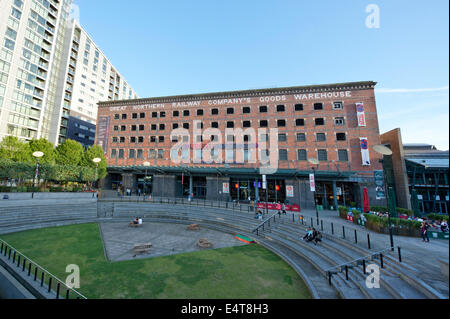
{"x":315,"y":161}
{"x":96,"y":161}
{"x":38,"y":155}
{"x":146,"y":164}
{"x":385,"y":151}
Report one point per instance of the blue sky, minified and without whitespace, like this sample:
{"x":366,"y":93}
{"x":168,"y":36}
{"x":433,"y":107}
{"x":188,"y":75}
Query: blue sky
{"x":182,"y":47}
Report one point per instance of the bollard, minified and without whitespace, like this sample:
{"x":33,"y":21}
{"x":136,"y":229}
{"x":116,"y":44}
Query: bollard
{"x":343,"y":232}
{"x":67,"y":293}
{"x":346,"y":272}
{"x":312,"y":223}
{"x":24,"y":262}
{"x":29,"y":269}
{"x":58,"y":286}
{"x":42,"y":279}
{"x":381,"y":260}
{"x":329,"y":278}
{"x":332,"y":229}
{"x":35,"y":273}
{"x":399,"y":254}
{"x":18,"y":261}
{"x":356,"y":237}
{"x":321,"y":225}
{"x":364,"y":266}
{"x":50,"y":284}
{"x":368,"y":240}
{"x":293,"y":218}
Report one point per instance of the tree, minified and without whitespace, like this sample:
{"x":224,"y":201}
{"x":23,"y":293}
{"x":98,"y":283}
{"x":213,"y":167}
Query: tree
{"x":69,"y":152}
{"x":46,"y":147}
{"x":94,"y":152}
{"x":12,"y":148}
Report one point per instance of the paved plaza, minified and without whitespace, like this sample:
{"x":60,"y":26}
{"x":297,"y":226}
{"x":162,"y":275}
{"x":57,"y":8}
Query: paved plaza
{"x":166,"y":239}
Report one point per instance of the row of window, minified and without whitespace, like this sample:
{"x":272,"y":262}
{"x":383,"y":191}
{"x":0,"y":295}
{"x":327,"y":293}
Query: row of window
{"x":302,"y":154}
{"x":231,"y":110}
{"x":300,"y":137}
{"x":338,"y":121}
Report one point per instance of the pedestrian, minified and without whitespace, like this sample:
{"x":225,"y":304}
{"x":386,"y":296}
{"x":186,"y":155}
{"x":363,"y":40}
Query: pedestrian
{"x":283,"y":208}
{"x":425,"y":227}
{"x":444,"y":226}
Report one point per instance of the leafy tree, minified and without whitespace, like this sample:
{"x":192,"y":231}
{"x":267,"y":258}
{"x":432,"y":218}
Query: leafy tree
{"x":69,"y":152}
{"x":95,"y":152}
{"x":46,"y":147}
{"x":14,"y":149}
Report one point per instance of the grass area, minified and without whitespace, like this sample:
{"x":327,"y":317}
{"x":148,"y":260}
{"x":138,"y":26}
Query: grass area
{"x":230,"y":273}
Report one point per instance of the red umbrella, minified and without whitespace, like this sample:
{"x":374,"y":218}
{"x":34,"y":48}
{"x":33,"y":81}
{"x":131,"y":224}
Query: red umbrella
{"x":366,"y":200}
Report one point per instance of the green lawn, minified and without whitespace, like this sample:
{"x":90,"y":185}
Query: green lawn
{"x":230,"y":273}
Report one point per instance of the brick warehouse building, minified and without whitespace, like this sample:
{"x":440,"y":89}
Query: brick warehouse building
{"x":334,"y":123}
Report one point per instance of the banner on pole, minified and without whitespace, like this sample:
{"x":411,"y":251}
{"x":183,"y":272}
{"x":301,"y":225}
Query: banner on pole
{"x":312,"y":182}
{"x":361,"y":114}
{"x":289,"y":191}
{"x":365,"y":151}
{"x":226,"y":188}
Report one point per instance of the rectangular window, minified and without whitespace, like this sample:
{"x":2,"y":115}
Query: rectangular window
{"x":281,"y":108}
{"x":339,"y":121}
{"x":283,"y":155}
{"x":200,"y":112}
{"x":121,"y":153}
{"x":132,"y":154}
{"x":132,"y":139}
{"x":162,"y":114}
{"x":186,"y":126}
{"x":215,"y":112}
{"x":321,"y":137}
{"x":281,"y":123}
{"x":302,"y":155}
{"x":124,"y":116}
{"x":282,"y":138}
{"x":142,"y":127}
{"x":176,"y":113}
{"x":341,"y":136}
{"x":246,"y":110}
{"x":142,"y":115}
{"x":215,"y":124}
{"x":154,"y":115}
{"x":230,"y":124}
{"x":338,"y":106}
{"x":186,"y":113}
{"x":133,"y":128}
{"x":113,"y":153}
{"x":301,"y":137}
{"x":320,"y":121}
{"x":152,"y":139}
{"x":342,"y":155}
{"x":322,"y":155}
{"x":263,"y":123}
{"x":263,"y":109}
{"x":162,"y":127}
{"x":154,"y":127}
{"x":298,"y":107}
{"x":123,"y":128}
{"x":140,"y":139}
{"x":247,"y":124}
{"x":230,"y":110}
{"x":161,"y":139}
{"x":318,"y":106}
{"x":175,"y":126}
{"x":116,"y":116}
{"x":134,"y":116}
{"x":300,"y":122}
{"x":140,"y":154}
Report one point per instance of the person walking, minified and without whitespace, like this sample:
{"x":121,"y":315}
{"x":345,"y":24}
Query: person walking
{"x":424,"y":229}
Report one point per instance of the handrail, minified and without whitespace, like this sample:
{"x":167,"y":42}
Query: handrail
{"x":3,"y":251}
{"x":356,"y":260}
{"x":264,"y":222}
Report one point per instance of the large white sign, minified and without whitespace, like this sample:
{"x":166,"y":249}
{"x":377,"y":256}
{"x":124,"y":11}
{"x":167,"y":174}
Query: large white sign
{"x":226,"y":188}
{"x":312,"y":182}
{"x":289,"y":191}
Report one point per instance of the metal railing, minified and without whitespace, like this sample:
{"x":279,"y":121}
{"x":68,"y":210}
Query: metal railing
{"x":360,"y":262}
{"x":33,"y":271}
{"x":267,"y":221}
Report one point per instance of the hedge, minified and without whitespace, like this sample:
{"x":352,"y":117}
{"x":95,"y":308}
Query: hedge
{"x":438,"y":217}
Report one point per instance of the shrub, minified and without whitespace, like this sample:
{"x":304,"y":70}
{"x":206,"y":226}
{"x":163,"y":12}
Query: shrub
{"x":438,"y":217}
{"x":404,"y":211}
{"x":379,"y":209}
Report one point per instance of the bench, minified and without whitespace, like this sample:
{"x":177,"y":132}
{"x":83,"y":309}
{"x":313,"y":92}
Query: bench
{"x":141,"y":248}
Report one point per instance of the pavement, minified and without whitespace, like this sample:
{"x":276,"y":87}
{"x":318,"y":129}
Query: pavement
{"x":166,"y":239}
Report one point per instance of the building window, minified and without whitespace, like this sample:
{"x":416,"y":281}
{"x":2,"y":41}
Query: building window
{"x":215,"y":112}
{"x":162,"y":127}
{"x":263,"y":123}
{"x":321,"y":137}
{"x":133,"y":128}
{"x":230,"y":124}
{"x":152,"y":139}
{"x":341,"y":136}
{"x":160,"y":154}
{"x":339,"y":121}
{"x":200,"y":112}
{"x":113,"y":153}
{"x":322,"y":155}
{"x":342,"y":155}
{"x":124,"y":116}
{"x":318,"y":106}
{"x":175,"y":126}
{"x":142,"y":115}
{"x":186,"y":113}
{"x":301,"y":137}
{"x":140,"y":139}
{"x":132,"y":154}
{"x":154,"y":127}
{"x":132,"y":139}
{"x":246,"y":110}
{"x":230,"y":110}
{"x":320,"y":121}
{"x":215,"y":124}
{"x":152,"y":154}
{"x":122,"y":139}
{"x":121,"y":153}
{"x":302,"y":155}
{"x":162,"y":114}
{"x":161,"y":139}
{"x":281,"y":123}
{"x":281,"y":108}
{"x":186,"y":126}
{"x":338,"y":106}
{"x":140,"y":154}
{"x":300,"y":122}
{"x":283,"y":155}
{"x":154,"y":115}
{"x":123,"y":128}
{"x":247,"y":124}
{"x":134,"y":116}
{"x":142,"y":127}
{"x":116,"y":116}
{"x":282,"y":138}
{"x":176,"y":113}
{"x":116,"y":127}
{"x":263,"y":109}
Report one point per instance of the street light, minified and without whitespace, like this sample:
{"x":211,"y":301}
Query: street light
{"x":38,"y":155}
{"x":146,"y":164}
{"x":315,"y":161}
{"x":385,"y":151}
